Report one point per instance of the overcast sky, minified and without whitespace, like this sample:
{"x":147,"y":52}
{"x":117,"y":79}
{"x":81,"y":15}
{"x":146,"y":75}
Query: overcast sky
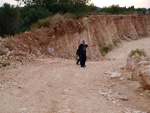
{"x":102,"y":3}
{"x":13,"y":2}
{"x":122,"y":3}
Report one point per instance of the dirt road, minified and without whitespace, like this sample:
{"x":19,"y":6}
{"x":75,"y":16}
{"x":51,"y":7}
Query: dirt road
{"x":59,"y":86}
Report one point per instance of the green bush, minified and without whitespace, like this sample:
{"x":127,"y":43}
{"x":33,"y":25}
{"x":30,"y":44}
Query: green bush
{"x":70,"y":16}
{"x":137,"y":51}
{"x":32,"y":14}
{"x":116,"y":9}
{"x":104,"y":51}
{"x":19,"y":19}
{"x":115,"y":42}
{"x":55,"y":27}
{"x":47,"y":22}
{"x":62,"y":6}
{"x":5,"y":64}
{"x":42,"y":23}
{"x":9,"y":20}
{"x":57,"y":17}
{"x":82,"y":15}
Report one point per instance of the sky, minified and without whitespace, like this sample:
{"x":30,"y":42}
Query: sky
{"x":13,"y":2}
{"x":122,"y":3}
{"x":102,"y":3}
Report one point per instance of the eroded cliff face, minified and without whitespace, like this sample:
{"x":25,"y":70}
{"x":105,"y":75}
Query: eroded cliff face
{"x":63,"y":38}
{"x":102,"y":31}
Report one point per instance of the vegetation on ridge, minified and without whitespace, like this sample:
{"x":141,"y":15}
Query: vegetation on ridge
{"x":19,"y":19}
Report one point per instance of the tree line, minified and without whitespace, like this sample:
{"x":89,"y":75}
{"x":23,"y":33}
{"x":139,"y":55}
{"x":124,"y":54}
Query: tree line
{"x":116,"y":9}
{"x":19,"y":19}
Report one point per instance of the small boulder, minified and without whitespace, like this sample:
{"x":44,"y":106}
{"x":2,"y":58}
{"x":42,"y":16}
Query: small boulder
{"x":131,"y":62}
{"x":115,"y":75}
{"x":142,"y":73}
{"x":123,"y":98}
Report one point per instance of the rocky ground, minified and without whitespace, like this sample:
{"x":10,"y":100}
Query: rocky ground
{"x":53,"y":85}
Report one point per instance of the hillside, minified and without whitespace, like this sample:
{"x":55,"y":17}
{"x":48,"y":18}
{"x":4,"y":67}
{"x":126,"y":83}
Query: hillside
{"x":62,"y":38}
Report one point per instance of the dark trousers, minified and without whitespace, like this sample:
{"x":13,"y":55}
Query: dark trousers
{"x":83,"y":60}
{"x":78,"y":60}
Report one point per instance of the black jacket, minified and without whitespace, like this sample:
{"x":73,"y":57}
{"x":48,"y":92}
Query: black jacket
{"x":82,"y":49}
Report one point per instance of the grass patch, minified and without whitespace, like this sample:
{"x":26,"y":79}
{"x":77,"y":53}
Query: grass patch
{"x":41,"y":23}
{"x":104,"y":51}
{"x":55,"y":27}
{"x":115,"y":42}
{"x":70,"y":16}
{"x":57,"y":17}
{"x":137,"y":51}
{"x":48,"y":22}
{"x":6,"y":64}
{"x":82,"y":15}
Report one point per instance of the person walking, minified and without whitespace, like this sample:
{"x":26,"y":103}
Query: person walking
{"x":78,"y":55}
{"x":82,"y":50}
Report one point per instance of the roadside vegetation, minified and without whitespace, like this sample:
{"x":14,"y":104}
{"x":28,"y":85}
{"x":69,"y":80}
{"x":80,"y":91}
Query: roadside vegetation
{"x":4,"y":64}
{"x":105,"y":50}
{"x":138,"y":52}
